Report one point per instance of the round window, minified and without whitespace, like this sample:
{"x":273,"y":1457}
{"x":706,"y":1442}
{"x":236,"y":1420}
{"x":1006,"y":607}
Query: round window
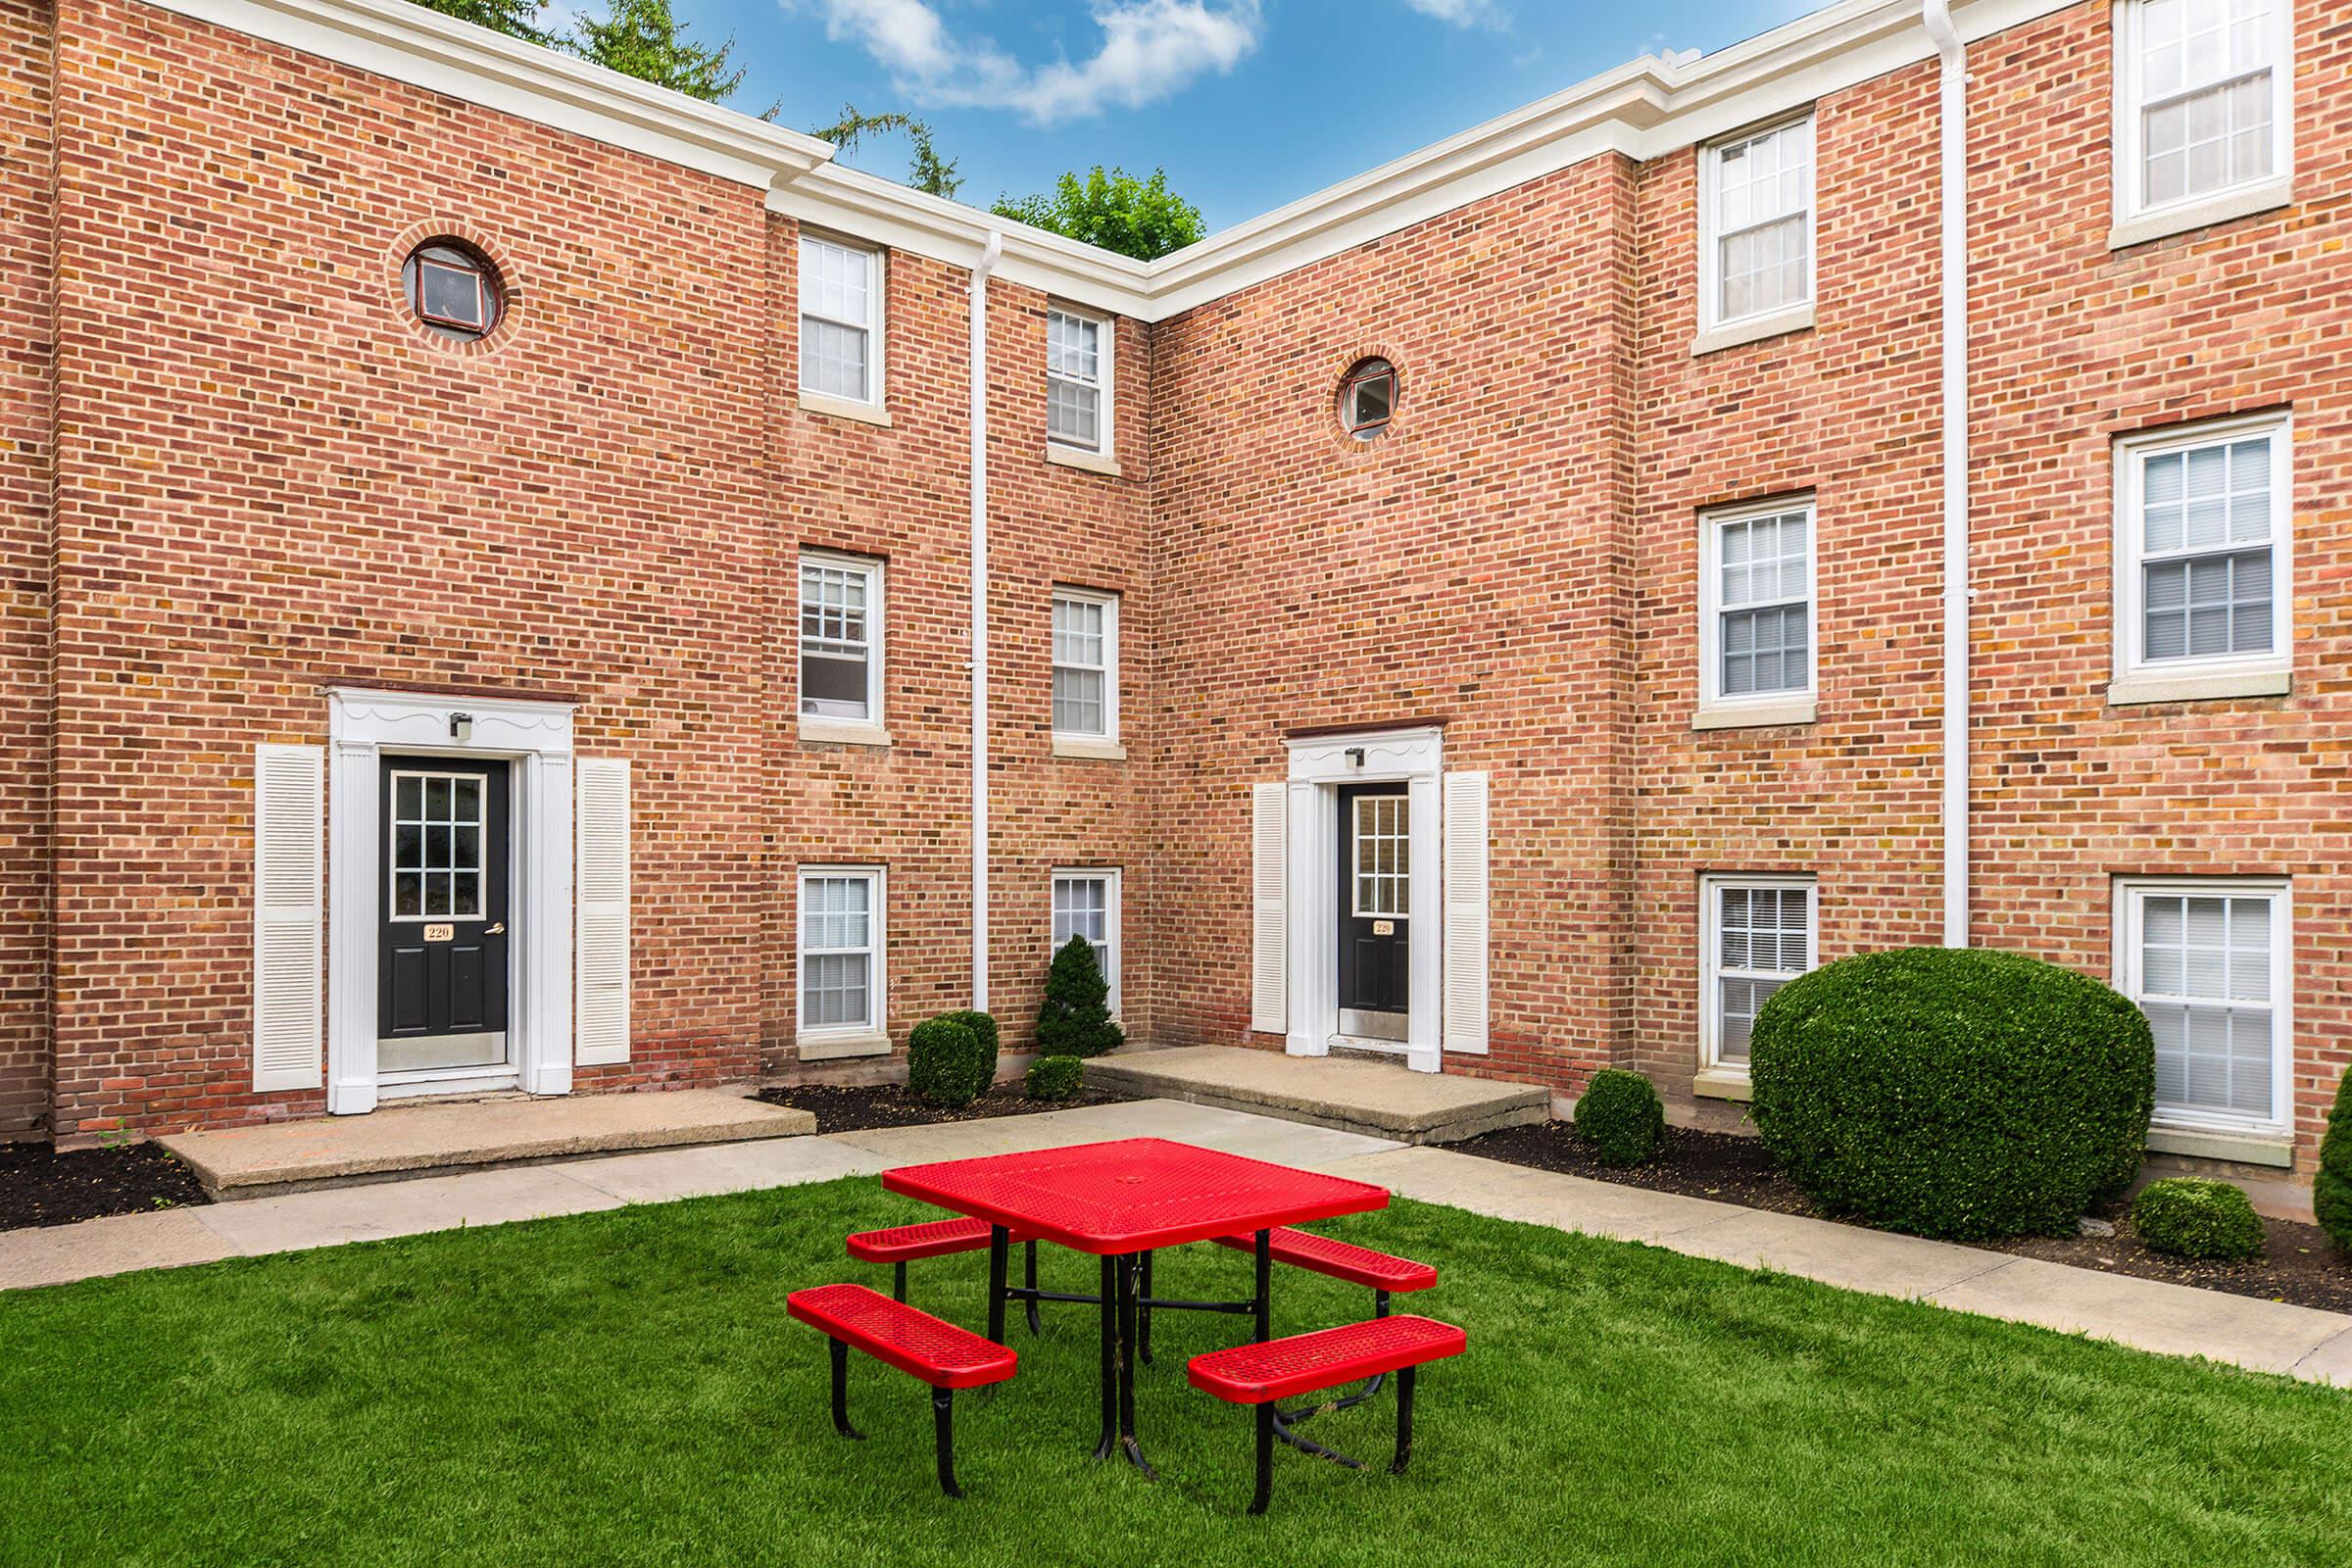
{"x":453,"y":289}
{"x":1367,"y":397}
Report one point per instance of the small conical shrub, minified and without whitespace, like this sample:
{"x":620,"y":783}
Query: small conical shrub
{"x":2331,"y":1191}
{"x":1075,"y":1020}
{"x":1620,"y":1117}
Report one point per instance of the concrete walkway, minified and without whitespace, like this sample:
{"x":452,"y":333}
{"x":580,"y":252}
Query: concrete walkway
{"x":2149,"y":1314}
{"x":1379,"y":1098}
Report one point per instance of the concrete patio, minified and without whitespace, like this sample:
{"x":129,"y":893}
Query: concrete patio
{"x":2148,"y":1315}
{"x":1379,"y":1098}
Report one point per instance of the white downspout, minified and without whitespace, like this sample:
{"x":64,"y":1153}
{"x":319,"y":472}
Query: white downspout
{"x":1953,"y":177}
{"x":979,"y":411}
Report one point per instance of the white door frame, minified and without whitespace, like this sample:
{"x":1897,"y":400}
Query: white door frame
{"x":363,"y":724}
{"x":1319,"y":767}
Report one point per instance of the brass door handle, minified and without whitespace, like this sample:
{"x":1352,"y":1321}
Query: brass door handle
{"x":497,"y":930}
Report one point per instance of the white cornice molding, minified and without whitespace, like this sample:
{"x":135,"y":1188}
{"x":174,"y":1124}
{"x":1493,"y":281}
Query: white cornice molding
{"x":1642,"y":110}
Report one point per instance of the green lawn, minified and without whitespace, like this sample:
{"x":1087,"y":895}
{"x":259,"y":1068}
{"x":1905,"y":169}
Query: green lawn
{"x":626,"y":1388}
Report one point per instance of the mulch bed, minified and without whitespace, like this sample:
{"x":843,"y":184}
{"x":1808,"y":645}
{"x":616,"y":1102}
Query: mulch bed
{"x":862,"y":1107}
{"x":2300,"y":1262}
{"x":39,"y":1186}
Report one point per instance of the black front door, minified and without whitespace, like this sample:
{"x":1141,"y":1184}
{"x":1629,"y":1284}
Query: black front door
{"x":441,"y":963}
{"x":1375,"y":911}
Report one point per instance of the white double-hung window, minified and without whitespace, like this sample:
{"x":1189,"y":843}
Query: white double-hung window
{"x":2204,"y":574}
{"x":1086,"y":665}
{"x":1755,"y":262}
{"x":2209,"y":961}
{"x":1086,"y":903}
{"x":1756,"y":934}
{"x":2204,"y":110}
{"x":840,"y":639}
{"x":1756,"y":619}
{"x":841,"y":321}
{"x":1078,"y":383}
{"x":841,"y":951}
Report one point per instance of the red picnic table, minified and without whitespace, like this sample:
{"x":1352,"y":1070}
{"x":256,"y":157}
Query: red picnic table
{"x":1122,"y":1201}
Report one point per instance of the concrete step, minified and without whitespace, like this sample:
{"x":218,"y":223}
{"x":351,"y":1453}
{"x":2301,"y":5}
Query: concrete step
{"x":1379,"y":1098}
{"x":434,"y":1138}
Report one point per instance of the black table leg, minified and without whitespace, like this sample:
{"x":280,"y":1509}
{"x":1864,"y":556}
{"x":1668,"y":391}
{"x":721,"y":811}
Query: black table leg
{"x":999,"y":1245}
{"x":1129,"y":1268}
{"x":1029,"y":1278}
{"x":1110,"y":1374}
{"x":1265,"y":1286}
{"x":1143,"y":1315}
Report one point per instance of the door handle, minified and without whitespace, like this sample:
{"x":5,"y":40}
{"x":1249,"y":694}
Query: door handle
{"x":497,"y":930}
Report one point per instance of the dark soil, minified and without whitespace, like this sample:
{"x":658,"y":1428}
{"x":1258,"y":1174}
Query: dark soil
{"x":2299,"y":1263}
{"x":39,"y":1186}
{"x":860,"y":1107}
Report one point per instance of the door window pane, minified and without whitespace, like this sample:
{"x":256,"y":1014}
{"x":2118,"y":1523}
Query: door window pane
{"x":1383,"y":868}
{"x":436,"y":846}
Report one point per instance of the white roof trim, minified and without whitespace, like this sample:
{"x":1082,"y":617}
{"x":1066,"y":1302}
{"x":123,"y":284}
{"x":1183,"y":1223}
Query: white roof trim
{"x":1642,"y":110}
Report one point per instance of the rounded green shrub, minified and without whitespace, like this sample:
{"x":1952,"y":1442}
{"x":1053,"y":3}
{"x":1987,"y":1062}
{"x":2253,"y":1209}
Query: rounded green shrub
{"x":1075,"y":1019}
{"x":1056,"y":1078}
{"x":1621,"y":1116}
{"x":984,"y":1029}
{"x":2331,"y":1189}
{"x":944,"y":1062}
{"x":2185,"y":1217}
{"x":1958,"y":1092}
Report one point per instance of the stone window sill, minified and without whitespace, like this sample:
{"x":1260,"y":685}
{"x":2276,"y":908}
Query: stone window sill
{"x":1722,"y":1083}
{"x":1080,"y":458}
{"x":839,"y":1048}
{"x":1753,"y":716}
{"x":2197,"y":687}
{"x":2204,"y":1142}
{"x":1086,"y":750}
{"x":2219,"y":208}
{"x":845,"y":408}
{"x":842,"y":732}
{"x":1756,"y":329}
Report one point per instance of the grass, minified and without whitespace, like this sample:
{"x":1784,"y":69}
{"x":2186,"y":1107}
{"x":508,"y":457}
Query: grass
{"x":626,"y":1388}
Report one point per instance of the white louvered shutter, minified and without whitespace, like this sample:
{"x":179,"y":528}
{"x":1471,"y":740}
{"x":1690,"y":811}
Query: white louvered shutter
{"x":289,"y":864}
{"x":1269,"y":956}
{"x":600,"y":946}
{"x":1466,"y":914}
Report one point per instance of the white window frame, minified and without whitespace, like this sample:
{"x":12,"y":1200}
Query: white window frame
{"x":2140,"y":678}
{"x":821,"y":725}
{"x":2130,"y":894}
{"x":1106,"y":380}
{"x":1717,"y":330}
{"x":1109,"y":602}
{"x":2136,"y":220}
{"x":876,"y":1029}
{"x":872,"y":327}
{"x":1792,"y":705}
{"x":1114,"y":897}
{"x":1711,"y":972}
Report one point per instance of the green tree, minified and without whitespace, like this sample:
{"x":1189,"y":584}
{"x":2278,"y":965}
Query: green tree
{"x":1138,"y":218}
{"x":642,"y":38}
{"x":1075,"y":1020}
{"x":926,"y":171}
{"x":516,"y":19}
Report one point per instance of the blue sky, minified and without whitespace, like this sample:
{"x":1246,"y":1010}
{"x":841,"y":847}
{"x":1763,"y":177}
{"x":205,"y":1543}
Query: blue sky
{"x":1248,"y":104}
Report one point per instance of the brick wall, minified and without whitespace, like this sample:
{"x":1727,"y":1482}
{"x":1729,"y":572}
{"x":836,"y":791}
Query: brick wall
{"x":26,"y":424}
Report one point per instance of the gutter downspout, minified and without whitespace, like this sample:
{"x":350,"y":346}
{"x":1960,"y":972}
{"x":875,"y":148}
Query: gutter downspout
{"x":979,"y":487}
{"x":1953,"y":177}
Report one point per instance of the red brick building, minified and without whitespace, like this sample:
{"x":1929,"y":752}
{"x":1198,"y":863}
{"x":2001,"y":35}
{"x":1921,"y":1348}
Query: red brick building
{"x":492,"y":552}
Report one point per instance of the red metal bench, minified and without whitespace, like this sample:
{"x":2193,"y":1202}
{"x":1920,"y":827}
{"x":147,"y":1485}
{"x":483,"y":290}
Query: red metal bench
{"x":901,"y":1245}
{"x":914,"y":1342}
{"x":1262,"y":1374}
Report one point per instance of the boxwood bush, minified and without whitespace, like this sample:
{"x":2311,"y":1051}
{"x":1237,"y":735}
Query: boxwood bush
{"x":1948,"y":1091}
{"x":984,"y":1030}
{"x":2185,"y":1217}
{"x":1056,"y":1078}
{"x":2331,"y":1190}
{"x":945,"y":1062}
{"x":1621,"y":1116}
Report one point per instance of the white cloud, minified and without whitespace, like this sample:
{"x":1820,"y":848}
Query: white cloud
{"x":1466,"y":13}
{"x":1151,"y":49}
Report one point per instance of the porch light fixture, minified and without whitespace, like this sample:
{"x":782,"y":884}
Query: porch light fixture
{"x":461,"y":728}
{"x":1355,"y":758}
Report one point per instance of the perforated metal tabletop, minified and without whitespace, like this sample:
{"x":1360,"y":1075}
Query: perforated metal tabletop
{"x":1133,"y":1195}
